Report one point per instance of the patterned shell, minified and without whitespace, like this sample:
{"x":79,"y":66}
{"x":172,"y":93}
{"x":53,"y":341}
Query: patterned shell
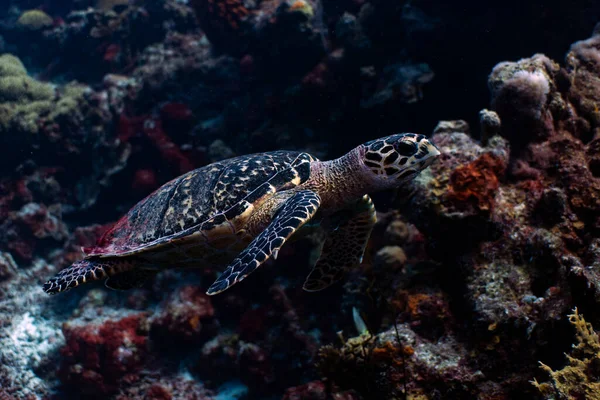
{"x":196,"y":200}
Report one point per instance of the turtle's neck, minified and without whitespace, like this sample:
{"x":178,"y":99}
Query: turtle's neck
{"x":339,"y":182}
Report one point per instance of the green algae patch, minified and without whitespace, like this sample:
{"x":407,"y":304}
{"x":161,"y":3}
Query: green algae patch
{"x":34,"y":20}
{"x":580,"y":378}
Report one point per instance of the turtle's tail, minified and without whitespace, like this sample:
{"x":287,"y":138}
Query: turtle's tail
{"x":85,"y":271}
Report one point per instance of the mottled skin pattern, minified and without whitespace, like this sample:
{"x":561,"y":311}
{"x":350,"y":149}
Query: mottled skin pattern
{"x":249,"y":206}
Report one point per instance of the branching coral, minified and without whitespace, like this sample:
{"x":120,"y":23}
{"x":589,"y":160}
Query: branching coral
{"x":579,"y":379}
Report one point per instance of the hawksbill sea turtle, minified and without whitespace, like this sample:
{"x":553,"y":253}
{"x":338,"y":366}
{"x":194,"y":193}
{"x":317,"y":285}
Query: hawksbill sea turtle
{"x":239,"y":212}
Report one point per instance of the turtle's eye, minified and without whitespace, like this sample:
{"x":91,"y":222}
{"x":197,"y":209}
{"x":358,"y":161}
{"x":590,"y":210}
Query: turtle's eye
{"x":406,"y":148}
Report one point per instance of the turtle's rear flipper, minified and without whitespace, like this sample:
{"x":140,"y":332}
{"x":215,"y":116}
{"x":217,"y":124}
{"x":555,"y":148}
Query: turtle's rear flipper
{"x":85,"y":271}
{"x":292,"y":211}
{"x":344,"y":246}
{"x":132,"y":279}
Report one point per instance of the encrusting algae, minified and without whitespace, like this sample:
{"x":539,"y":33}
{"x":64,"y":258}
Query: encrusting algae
{"x":579,"y":379}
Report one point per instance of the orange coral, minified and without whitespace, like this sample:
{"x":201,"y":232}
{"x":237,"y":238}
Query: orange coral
{"x":390,"y":354}
{"x":420,"y":305}
{"x":299,"y":4}
{"x":477,"y":182}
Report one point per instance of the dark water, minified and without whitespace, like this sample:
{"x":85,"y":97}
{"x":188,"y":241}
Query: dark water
{"x":486,"y":248}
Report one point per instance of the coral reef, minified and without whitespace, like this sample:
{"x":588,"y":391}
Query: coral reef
{"x":470,"y":270}
{"x":524,"y":207}
{"x":58,"y":122}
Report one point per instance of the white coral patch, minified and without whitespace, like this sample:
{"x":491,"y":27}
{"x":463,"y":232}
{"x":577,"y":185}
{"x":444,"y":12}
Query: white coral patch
{"x":29,"y":342}
{"x":536,"y":80}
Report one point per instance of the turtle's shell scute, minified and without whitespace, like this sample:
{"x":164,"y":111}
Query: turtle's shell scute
{"x":195,"y":197}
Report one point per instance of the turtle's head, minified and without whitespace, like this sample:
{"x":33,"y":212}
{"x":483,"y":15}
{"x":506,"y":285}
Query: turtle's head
{"x":395,"y":159}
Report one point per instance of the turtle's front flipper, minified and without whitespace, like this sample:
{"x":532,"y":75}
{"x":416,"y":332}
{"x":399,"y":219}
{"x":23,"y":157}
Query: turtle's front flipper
{"x":86,"y":271}
{"x":292,"y":212}
{"x":344,"y":246}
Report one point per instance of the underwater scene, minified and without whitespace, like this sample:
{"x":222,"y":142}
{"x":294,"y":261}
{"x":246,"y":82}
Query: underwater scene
{"x":299,"y":200}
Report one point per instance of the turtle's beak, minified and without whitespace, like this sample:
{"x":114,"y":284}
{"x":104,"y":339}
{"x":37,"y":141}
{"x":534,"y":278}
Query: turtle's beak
{"x":432,"y":154}
{"x":434,"y":151}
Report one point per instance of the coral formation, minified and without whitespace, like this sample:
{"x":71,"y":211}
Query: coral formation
{"x":32,"y":225}
{"x":522,"y":95}
{"x":38,"y":115}
{"x":187,"y":316}
{"x":390,"y":257}
{"x":97,"y":356}
{"x":475,"y":184}
{"x":469,"y":272}
{"x":17,"y":87}
{"x":35,"y":20}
